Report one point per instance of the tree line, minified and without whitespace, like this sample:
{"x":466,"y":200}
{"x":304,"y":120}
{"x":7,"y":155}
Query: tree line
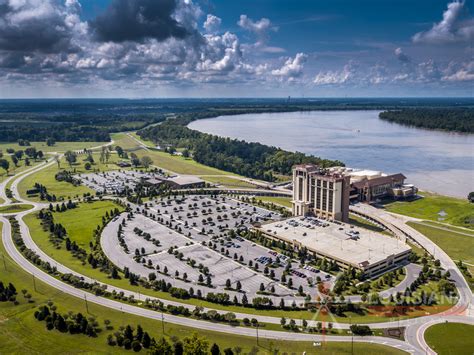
{"x":253,"y":160}
{"x":447,"y":119}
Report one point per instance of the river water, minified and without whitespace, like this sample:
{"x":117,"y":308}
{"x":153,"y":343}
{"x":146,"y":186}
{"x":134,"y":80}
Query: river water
{"x":433,"y":160}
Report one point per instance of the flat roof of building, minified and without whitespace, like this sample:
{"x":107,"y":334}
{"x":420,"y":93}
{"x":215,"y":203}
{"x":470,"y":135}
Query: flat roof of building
{"x":184,"y":180}
{"x":356,"y":246}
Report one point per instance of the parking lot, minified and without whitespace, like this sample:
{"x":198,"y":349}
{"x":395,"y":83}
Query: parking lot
{"x":114,"y":182}
{"x":197,"y":228}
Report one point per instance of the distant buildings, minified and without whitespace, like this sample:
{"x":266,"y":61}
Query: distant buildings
{"x":326,"y":193}
{"x":369,"y":185}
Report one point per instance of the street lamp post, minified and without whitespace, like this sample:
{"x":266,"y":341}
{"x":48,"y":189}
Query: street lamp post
{"x":256,"y":328}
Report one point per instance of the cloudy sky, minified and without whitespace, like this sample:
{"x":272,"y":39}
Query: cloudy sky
{"x":245,"y":48}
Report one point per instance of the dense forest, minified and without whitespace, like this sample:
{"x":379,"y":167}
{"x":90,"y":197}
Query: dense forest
{"x":253,"y":160}
{"x":448,"y":119}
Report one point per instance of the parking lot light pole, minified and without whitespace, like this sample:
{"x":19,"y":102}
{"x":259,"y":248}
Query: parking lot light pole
{"x":256,"y":328}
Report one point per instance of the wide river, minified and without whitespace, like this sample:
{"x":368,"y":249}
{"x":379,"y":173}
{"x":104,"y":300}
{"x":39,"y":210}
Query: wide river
{"x":435,"y":161}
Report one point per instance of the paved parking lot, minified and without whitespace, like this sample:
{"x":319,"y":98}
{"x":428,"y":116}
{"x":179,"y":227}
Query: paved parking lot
{"x":114,"y":182}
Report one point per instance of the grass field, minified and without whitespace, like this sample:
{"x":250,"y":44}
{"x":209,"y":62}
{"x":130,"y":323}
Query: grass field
{"x":459,"y":212}
{"x":282,"y":201}
{"x":227,"y":181}
{"x":179,"y":164}
{"x":457,"y":246}
{"x":21,"y":333}
{"x":21,"y":166}
{"x":124,"y":141}
{"x":63,"y":189}
{"x":451,"y":338}
{"x":58,"y":147}
{"x":15,"y":208}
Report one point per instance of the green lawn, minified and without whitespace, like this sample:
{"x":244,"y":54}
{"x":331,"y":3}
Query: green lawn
{"x":63,"y":189}
{"x":144,"y":141}
{"x":457,"y":246}
{"x":459,"y":212}
{"x":21,"y":166}
{"x":179,"y":164}
{"x":124,"y":141}
{"x":58,"y":147}
{"x":282,"y":201}
{"x":21,"y":333}
{"x":15,"y":208}
{"x":227,"y":181}
{"x":451,"y":338}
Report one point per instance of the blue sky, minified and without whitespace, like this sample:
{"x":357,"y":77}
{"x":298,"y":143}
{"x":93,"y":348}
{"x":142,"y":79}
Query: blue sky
{"x":184,"y":48}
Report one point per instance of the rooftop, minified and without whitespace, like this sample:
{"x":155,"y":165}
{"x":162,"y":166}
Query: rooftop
{"x":356,"y":246}
{"x":185,"y":180}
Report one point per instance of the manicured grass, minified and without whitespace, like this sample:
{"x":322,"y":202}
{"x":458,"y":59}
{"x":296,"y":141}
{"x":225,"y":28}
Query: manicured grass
{"x":21,"y":166}
{"x":124,"y":141}
{"x":227,"y":181}
{"x":63,"y":189}
{"x":58,"y":147}
{"x":82,"y":220}
{"x":179,"y":164}
{"x":15,"y":208}
{"x":144,"y":141}
{"x":451,"y":338}
{"x":282,"y":201}
{"x":76,"y":230}
{"x":450,"y":227}
{"x":457,"y":246}
{"x":21,"y":333}
{"x":459,"y":212}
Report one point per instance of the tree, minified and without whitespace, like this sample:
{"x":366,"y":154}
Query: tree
{"x":470,"y":197}
{"x":185,"y":153}
{"x":14,"y":160}
{"x":57,"y":159}
{"x":195,"y":345}
{"x":146,"y":161}
{"x":50,"y":142}
{"x":162,"y":347}
{"x":215,"y":349}
{"x":71,"y":157}
{"x":135,"y":160}
{"x":119,"y":151}
{"x":4,"y":164}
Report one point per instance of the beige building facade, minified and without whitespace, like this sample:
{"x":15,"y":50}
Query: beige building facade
{"x":321,"y":193}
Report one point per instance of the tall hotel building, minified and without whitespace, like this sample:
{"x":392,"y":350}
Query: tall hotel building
{"x":320,"y":192}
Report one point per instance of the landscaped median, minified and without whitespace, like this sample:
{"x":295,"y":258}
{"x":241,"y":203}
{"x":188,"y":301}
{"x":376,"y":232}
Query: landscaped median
{"x":16,"y":208}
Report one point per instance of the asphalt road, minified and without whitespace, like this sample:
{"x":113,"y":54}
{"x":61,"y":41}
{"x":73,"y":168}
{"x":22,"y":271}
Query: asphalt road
{"x":414,"y":327}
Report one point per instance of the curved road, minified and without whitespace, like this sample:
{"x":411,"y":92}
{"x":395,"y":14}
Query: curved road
{"x":414,"y":327}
